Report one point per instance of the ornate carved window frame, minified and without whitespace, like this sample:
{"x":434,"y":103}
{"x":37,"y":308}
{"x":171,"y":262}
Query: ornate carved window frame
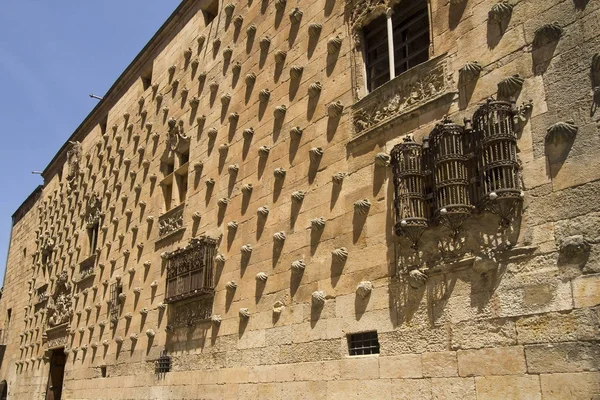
{"x":360,"y":13}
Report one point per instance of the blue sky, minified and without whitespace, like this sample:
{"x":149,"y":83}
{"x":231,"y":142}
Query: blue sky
{"x":53,"y":54}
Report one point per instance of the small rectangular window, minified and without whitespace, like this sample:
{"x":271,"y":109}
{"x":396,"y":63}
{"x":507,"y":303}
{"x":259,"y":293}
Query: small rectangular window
{"x":93,"y":237}
{"x":115,"y":303}
{"x":146,"y":78}
{"x":163,"y":364}
{"x":103,"y":371}
{"x":365,"y":343}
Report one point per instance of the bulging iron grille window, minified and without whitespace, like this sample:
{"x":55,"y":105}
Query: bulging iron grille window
{"x":190,"y":270}
{"x":457,"y":169}
{"x":406,"y":30}
{"x":363,"y":343}
{"x":115,"y":303}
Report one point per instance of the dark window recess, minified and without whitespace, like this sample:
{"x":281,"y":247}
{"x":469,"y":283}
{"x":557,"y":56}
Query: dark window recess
{"x":363,"y":343}
{"x":410,"y":41}
{"x":146,"y":78}
{"x":411,"y":36}
{"x":376,"y":53}
{"x":190,"y":270}
{"x":163,"y":364}
{"x":103,"y":371}
{"x":115,"y":306}
{"x":210,"y":11}
{"x":93,"y":237}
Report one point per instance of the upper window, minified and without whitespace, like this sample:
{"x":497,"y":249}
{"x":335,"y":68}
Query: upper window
{"x":405,"y":30}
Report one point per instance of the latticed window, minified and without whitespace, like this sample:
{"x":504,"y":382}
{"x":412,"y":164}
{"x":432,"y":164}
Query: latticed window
{"x":163,"y":363}
{"x":364,"y":343}
{"x":190,"y":270}
{"x":396,"y":42}
{"x":115,"y":304}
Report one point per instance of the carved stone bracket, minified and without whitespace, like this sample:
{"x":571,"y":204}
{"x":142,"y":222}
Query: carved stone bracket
{"x":56,"y":337}
{"x":404,"y":94}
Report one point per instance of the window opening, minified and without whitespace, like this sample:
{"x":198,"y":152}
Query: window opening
{"x":146,"y":78}
{"x":405,"y":30}
{"x":115,"y":303}
{"x":163,"y":363}
{"x":363,"y":343}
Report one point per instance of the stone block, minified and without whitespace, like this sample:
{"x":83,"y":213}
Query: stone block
{"x":570,"y":386}
{"x":490,"y":361}
{"x":379,"y":389}
{"x":402,"y":366}
{"x":586,"y":291}
{"x":440,"y":364}
{"x":562,"y":357}
{"x":453,"y":389}
{"x":579,"y":324}
{"x":360,"y":367}
{"x":410,"y":389}
{"x":512,"y":387}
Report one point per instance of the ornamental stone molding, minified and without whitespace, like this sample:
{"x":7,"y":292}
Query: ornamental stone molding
{"x":404,"y":94}
{"x":171,"y":221}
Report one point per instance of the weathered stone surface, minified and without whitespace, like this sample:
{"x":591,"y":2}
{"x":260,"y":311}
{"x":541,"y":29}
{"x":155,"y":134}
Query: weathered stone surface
{"x":586,"y":291}
{"x":571,"y":326}
{"x":403,"y":366}
{"x":440,"y":365}
{"x":570,"y":386}
{"x":562,"y":357}
{"x":499,"y":361}
{"x":508,"y":387}
{"x":453,"y":388}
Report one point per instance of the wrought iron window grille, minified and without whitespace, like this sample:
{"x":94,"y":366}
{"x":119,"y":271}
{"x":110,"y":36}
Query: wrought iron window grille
{"x":163,"y":363}
{"x":456,"y":170}
{"x":364,"y":343}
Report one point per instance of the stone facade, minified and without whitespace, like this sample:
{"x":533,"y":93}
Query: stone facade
{"x":231,"y":202}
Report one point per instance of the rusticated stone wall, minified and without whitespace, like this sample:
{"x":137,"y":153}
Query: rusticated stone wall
{"x":497,"y":312}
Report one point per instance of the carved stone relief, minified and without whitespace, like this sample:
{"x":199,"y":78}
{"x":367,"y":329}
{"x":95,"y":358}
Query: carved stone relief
{"x":60,"y":307}
{"x":170,"y":222}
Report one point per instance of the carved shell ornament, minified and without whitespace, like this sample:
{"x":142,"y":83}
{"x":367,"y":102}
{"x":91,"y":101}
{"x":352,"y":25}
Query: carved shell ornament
{"x":500,"y":12}
{"x":223,"y":202}
{"x":298,"y":196}
{"x":296,"y":132}
{"x":280,"y":111}
{"x":470,"y":70}
{"x":220,"y":258}
{"x":225,"y":99}
{"x":247,"y":188}
{"x":238,"y":22}
{"x":296,"y":16}
{"x":547,"y":33}
{"x":231,"y":285}
{"x":279,"y":236}
{"x":210,"y":182}
{"x":261,"y":277}
{"x":509,"y":86}
{"x":296,"y":71}
{"x":280,"y":56}
{"x":318,"y":299}
{"x":250,"y":79}
{"x":236,"y":68}
{"x":561,"y":132}
{"x":265,"y":43}
{"x":264,"y":151}
{"x":335,"y":109}
{"x":215,"y":319}
{"x":364,"y":289}
{"x":338,"y":178}
{"x":315,"y":89}
{"x":317,"y":223}
{"x":340,"y":255}
{"x":224,"y":148}
{"x":382,"y":160}
{"x":246,"y":249}
{"x":315,"y":154}
{"x":279,"y":173}
{"x":234,"y":168}
{"x":251,"y":31}
{"x":362,"y":206}
{"x":201,"y":40}
{"x":244,"y":313}
{"x":264,"y":95}
{"x":314,"y":30}
{"x":233,"y":225}
{"x":334,"y":45}
{"x":280,"y":4}
{"x":263,"y":211}
{"x":229,"y":9}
